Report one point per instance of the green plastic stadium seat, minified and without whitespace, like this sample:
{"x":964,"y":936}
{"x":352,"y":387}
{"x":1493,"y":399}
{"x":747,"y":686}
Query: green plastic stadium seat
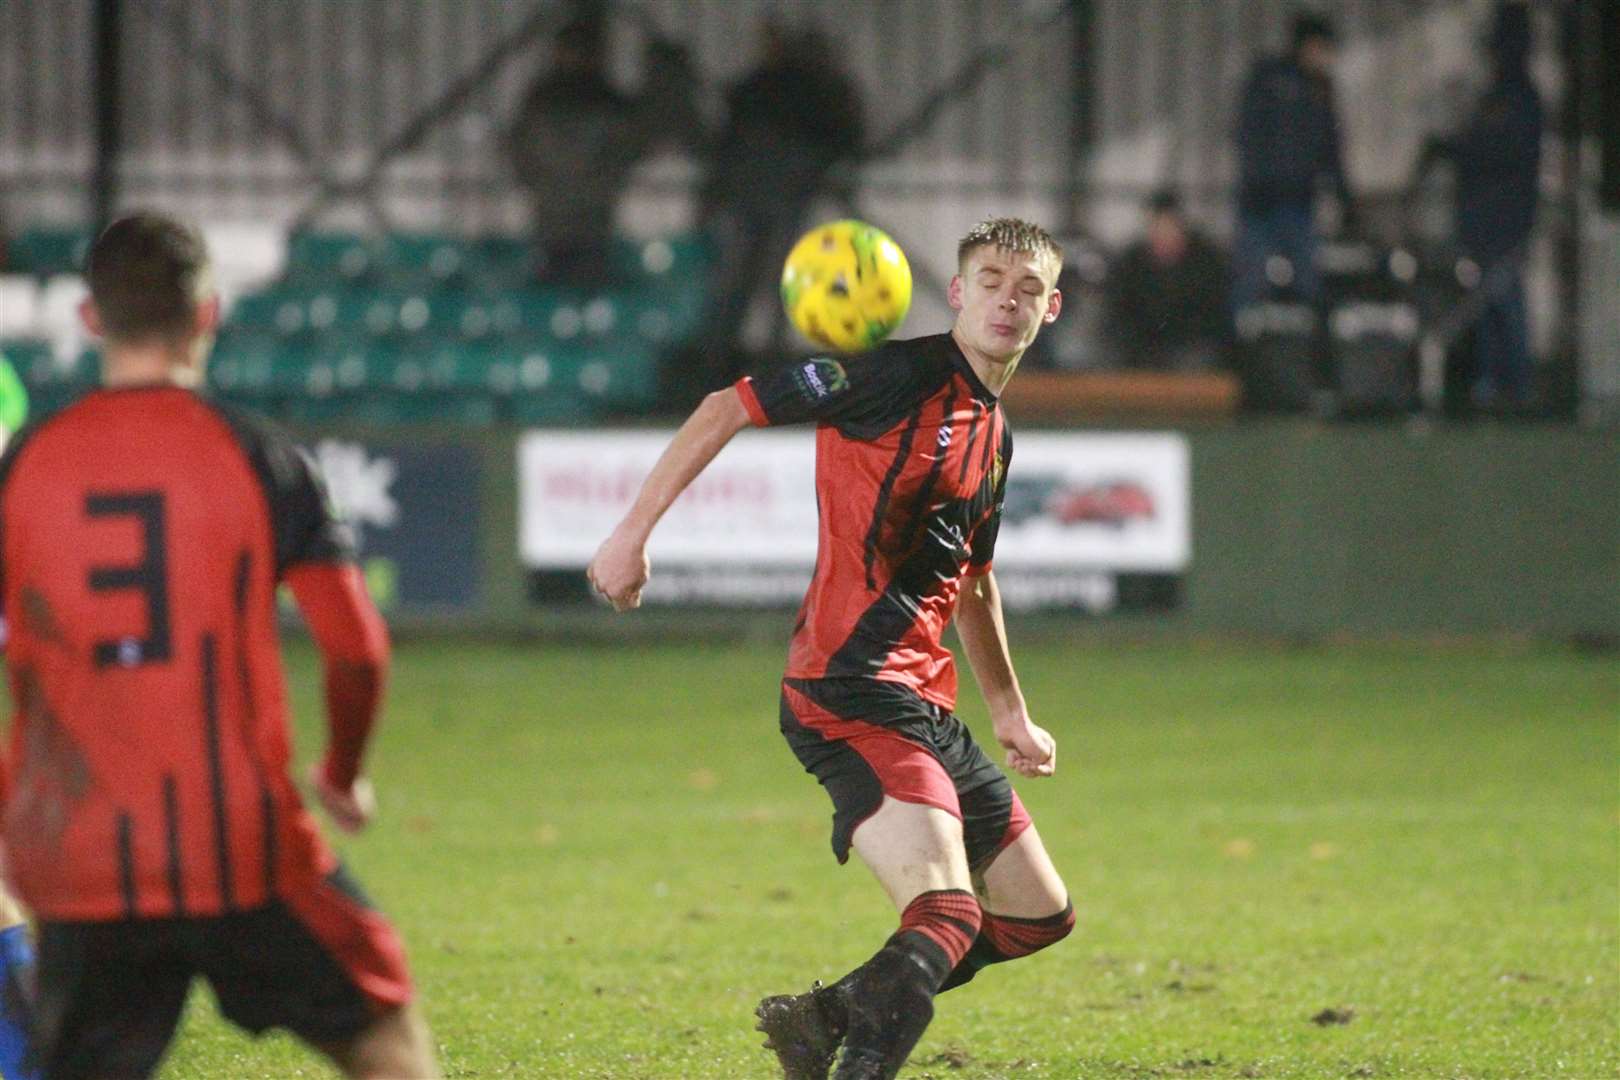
{"x":330,"y":258}
{"x":32,"y":359}
{"x":665,"y":258}
{"x":659,"y":316}
{"x":552,"y":408}
{"x":359,"y":361}
{"x":622,"y":377}
{"x":493,"y":371}
{"x":50,"y":383}
{"x":319,"y":410}
{"x":272,"y":310}
{"x":371,"y":311}
{"x":424,"y":260}
{"x":242,"y":365}
{"x":500,"y":262}
{"x":446,"y":313}
{"x":45,"y":251}
{"x":550,"y":313}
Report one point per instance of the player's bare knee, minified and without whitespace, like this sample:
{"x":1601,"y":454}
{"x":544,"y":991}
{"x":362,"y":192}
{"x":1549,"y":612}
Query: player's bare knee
{"x":396,"y":1045}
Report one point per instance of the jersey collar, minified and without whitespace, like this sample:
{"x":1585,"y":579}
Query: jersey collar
{"x":965,"y":369}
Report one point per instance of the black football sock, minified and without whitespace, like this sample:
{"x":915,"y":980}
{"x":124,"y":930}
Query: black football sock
{"x":890,"y":997}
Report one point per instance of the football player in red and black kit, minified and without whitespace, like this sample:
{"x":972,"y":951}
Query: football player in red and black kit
{"x":912,"y":453}
{"x":149,"y":821}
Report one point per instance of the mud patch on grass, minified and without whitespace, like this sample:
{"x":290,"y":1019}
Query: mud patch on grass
{"x":1342,"y":1014}
{"x":951,"y":1057}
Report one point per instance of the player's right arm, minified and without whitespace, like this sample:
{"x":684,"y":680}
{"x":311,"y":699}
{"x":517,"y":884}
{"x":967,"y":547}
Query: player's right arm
{"x":353,"y":642}
{"x":315,"y":555}
{"x":620,"y":567}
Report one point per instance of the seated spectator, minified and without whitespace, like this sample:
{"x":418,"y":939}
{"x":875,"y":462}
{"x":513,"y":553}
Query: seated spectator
{"x":1167,"y":295}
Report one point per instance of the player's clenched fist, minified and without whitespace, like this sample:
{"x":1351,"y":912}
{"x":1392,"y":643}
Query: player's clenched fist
{"x":1031,"y":750}
{"x":619,"y":570}
{"x":350,"y":809}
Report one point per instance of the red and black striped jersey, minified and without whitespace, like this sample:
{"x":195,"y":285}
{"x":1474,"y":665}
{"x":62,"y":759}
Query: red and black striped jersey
{"x":911,"y":458}
{"x":142,"y":534}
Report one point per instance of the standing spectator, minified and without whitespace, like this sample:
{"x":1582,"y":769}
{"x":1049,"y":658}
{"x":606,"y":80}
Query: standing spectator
{"x":1497,"y":155}
{"x":572,"y":146}
{"x":1167,"y":295}
{"x":788,"y":123}
{"x":1288,"y":143}
{"x":576,"y":137}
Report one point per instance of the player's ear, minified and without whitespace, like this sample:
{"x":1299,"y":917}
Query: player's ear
{"x":207,"y":318}
{"x":953,"y":293}
{"x":1054,"y":304}
{"x":91,"y":318}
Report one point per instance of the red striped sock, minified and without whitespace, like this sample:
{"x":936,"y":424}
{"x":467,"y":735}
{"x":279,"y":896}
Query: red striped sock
{"x":950,"y":918}
{"x":1013,"y":938}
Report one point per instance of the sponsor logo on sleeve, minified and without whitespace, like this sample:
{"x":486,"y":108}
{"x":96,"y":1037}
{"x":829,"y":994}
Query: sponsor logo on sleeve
{"x":820,"y":378}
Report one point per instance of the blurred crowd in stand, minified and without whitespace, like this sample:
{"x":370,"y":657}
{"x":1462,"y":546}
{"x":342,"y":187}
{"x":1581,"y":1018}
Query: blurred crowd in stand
{"x":787,"y":123}
{"x":1332,"y":319}
{"x":1310,"y":308}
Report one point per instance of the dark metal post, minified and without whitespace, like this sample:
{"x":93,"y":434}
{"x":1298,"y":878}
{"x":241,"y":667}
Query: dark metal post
{"x":109,"y":111}
{"x":1601,"y":33}
{"x":1083,"y":110}
{"x":1572,"y":123}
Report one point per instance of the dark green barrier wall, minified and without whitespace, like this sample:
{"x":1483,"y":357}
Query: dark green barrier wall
{"x":1311,"y":530}
{"x":1307,"y":530}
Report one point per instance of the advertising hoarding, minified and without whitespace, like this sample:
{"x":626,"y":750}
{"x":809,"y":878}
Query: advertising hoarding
{"x":1092,"y":521}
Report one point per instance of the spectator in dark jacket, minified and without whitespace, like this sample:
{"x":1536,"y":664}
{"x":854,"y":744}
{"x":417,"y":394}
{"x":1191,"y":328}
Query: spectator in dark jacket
{"x":1497,"y":156}
{"x":570,"y":146}
{"x":788,"y":123}
{"x":1167,"y":295}
{"x":576,"y":137}
{"x":1288,"y":145}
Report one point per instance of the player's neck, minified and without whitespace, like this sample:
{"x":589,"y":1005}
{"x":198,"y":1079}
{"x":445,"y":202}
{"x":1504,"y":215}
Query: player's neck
{"x":149,"y":364}
{"x":994,"y":372}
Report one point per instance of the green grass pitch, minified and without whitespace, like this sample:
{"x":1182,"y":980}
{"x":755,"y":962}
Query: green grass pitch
{"x":601,"y":858}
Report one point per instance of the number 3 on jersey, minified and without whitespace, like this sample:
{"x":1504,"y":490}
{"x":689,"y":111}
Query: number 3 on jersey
{"x":149,"y":575}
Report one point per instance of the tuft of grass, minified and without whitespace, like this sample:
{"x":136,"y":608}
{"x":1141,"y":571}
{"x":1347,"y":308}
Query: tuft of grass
{"x":1360,"y":863}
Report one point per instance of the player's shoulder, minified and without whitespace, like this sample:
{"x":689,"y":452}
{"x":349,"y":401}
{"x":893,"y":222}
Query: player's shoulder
{"x":256,"y":432}
{"x":925,"y":350}
{"x":41,"y":424}
{"x":282,"y":464}
{"x":920,"y":362}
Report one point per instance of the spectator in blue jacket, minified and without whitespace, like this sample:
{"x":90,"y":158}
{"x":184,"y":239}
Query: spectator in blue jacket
{"x":1497,"y":156}
{"x":1288,"y":146}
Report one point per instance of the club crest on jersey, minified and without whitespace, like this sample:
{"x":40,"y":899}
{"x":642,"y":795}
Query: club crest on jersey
{"x":821,"y":377}
{"x":998,"y":469}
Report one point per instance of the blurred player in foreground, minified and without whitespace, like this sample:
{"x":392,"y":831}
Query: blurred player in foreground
{"x":911,"y":458}
{"x":16,"y":949}
{"x":150,"y":824}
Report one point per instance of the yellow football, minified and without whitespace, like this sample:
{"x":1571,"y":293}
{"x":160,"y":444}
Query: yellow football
{"x":846,"y":286}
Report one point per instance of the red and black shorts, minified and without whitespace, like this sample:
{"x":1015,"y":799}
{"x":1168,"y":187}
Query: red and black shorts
{"x":321,"y":963}
{"x":867,"y":738}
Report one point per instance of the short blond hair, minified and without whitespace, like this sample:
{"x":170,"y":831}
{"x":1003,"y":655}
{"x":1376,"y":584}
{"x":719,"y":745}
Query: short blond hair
{"x":1009,"y":234}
